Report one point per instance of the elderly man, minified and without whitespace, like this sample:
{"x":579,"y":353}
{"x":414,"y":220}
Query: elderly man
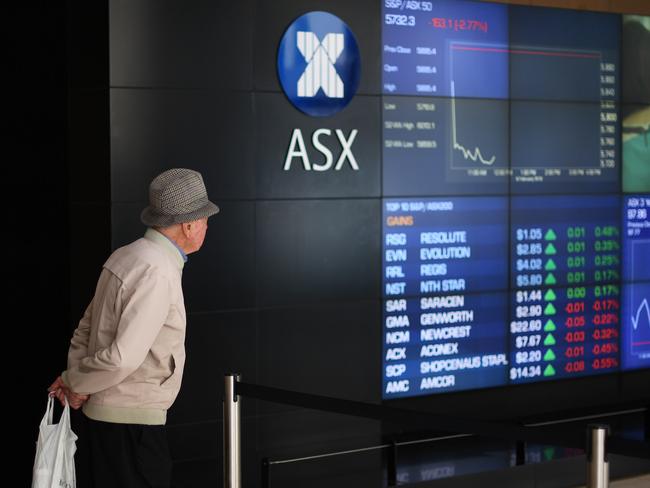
{"x":126,"y":357}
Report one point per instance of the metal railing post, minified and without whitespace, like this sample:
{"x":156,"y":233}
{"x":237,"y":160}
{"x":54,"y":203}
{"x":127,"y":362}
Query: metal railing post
{"x":231,"y":434}
{"x":597,"y":462}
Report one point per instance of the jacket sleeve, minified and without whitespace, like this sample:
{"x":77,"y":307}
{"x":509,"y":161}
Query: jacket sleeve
{"x":145,"y":307}
{"x":79,"y":342}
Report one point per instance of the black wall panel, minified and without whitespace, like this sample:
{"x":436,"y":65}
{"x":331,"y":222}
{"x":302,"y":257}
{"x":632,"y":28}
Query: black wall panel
{"x":154,"y":130}
{"x":329,"y":350}
{"x":126,"y":225}
{"x":87,"y":46}
{"x":216,"y":344}
{"x":222,"y":274}
{"x":276,"y":120}
{"x":316,"y":251}
{"x":90,"y":238}
{"x":173,"y":43}
{"x":89,"y":148}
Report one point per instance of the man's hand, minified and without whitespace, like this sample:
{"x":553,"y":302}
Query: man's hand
{"x":60,"y":390}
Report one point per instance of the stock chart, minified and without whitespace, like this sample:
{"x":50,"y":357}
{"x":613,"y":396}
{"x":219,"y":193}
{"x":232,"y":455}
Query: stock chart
{"x":510,"y":253}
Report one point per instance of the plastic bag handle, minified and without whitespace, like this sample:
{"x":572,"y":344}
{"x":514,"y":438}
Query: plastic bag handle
{"x":49,"y":411}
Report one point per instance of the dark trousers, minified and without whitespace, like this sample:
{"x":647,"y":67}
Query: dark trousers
{"x":121,"y":455}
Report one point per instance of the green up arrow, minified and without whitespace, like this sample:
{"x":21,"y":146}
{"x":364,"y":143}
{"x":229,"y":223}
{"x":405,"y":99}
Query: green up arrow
{"x":550,"y":235}
{"x":550,"y":340}
{"x":549,"y":371}
{"x":550,"y":296}
{"x":550,"y":265}
{"x":550,"y":249}
{"x":550,"y":309}
{"x":550,"y":355}
{"x":550,"y":326}
{"x":550,"y":279}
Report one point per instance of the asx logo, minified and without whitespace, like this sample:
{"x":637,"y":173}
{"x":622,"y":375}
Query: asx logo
{"x":320,"y":71}
{"x":318,"y":64}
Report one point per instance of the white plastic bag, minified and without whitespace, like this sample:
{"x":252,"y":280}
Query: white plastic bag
{"x":55,"y":448}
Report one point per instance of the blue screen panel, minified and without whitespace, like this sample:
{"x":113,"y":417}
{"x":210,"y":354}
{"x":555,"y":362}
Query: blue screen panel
{"x":442,"y":146}
{"x":445,"y":48}
{"x":564,"y":147}
{"x":445,"y":298}
{"x":563,"y":55}
{"x":566,"y":287}
{"x":635,"y":340}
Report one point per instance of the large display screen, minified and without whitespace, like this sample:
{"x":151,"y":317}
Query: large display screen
{"x":635,"y":316}
{"x":510,"y":252}
{"x":548,"y":83}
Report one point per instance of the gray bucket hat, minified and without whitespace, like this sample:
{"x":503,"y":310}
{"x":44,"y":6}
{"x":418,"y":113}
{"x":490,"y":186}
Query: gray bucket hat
{"x":178,"y":195}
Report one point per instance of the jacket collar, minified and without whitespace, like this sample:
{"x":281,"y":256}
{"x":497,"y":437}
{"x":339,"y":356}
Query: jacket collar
{"x":169,"y":246}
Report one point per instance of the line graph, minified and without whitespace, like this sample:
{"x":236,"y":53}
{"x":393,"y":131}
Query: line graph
{"x":638,"y":322}
{"x":475,"y":154}
{"x":637,"y":318}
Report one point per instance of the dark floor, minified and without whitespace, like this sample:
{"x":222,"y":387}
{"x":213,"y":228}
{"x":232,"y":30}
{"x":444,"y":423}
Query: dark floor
{"x":457,"y":463}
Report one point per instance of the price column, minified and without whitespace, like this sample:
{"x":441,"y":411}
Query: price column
{"x":526,"y":328}
{"x":565,"y":307}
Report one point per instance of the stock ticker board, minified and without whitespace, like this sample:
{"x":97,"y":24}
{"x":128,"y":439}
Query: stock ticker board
{"x":510,"y":253}
{"x":487,"y":98}
{"x":487,"y":291}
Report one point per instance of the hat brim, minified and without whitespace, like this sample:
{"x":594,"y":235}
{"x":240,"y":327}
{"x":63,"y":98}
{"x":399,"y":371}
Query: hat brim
{"x":153,"y":218}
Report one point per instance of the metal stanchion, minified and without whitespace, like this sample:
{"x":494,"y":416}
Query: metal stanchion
{"x":231,"y":435}
{"x":597,"y":462}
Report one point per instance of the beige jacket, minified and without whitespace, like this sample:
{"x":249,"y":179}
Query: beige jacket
{"x":128,"y":351}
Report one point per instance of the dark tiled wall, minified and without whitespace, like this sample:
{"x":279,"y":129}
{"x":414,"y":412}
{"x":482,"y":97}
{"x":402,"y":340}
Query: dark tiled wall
{"x":88,"y":149}
{"x":286,"y":288}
